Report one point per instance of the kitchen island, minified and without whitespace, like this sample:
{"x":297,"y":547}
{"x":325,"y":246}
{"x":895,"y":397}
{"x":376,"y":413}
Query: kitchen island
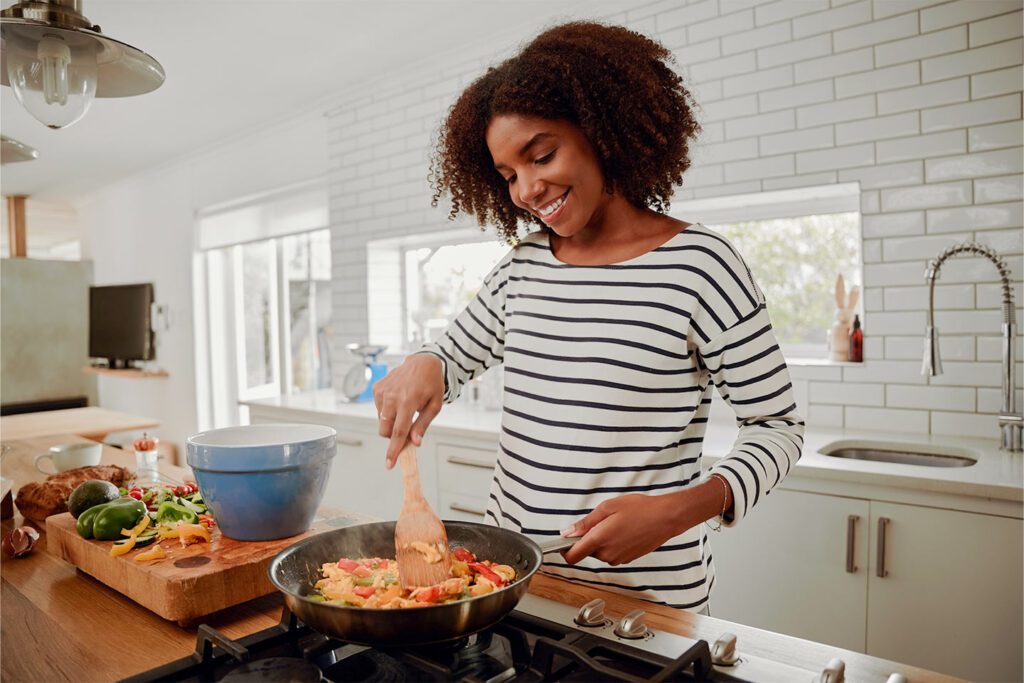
{"x":60,"y":624}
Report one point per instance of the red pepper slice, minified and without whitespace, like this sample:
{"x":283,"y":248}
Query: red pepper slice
{"x":432,"y":594}
{"x":488,"y":573}
{"x":347,"y":565}
{"x":362,"y":571}
{"x":363,"y":591}
{"x":463,"y":555}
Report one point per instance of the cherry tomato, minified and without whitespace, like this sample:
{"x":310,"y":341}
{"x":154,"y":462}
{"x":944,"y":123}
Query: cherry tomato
{"x":135,"y":494}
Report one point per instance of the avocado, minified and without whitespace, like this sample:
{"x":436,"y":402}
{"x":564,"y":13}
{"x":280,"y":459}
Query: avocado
{"x":90,"y":494}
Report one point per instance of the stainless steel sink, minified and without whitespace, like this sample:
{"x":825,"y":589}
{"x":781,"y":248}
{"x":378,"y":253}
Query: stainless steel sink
{"x":901,"y":454}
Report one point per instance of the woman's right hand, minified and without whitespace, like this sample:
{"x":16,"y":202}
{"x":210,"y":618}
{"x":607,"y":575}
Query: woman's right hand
{"x":415,"y":386}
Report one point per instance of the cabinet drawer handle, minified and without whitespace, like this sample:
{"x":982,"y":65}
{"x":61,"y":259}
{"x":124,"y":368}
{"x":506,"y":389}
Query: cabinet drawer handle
{"x":851,"y":529}
{"x":880,"y":571}
{"x":456,"y":460}
{"x":458,"y":507}
{"x":349,"y":442}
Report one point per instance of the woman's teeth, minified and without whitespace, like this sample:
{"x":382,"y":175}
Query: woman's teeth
{"x":552,"y":207}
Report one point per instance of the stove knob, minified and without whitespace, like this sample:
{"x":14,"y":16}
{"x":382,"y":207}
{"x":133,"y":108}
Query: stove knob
{"x":632,"y":626}
{"x":723,"y":652}
{"x":833,"y":673}
{"x":591,"y":614}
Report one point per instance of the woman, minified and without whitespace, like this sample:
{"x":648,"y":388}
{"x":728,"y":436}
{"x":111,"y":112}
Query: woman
{"x":612,"y":321}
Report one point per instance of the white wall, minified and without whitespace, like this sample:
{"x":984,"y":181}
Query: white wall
{"x":918,"y":100}
{"x":142,"y":230}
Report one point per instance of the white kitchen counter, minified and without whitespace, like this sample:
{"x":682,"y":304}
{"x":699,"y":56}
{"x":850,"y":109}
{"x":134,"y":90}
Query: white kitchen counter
{"x":997,"y":475}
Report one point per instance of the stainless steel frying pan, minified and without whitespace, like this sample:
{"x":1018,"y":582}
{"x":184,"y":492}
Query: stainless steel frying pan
{"x":296,"y":570}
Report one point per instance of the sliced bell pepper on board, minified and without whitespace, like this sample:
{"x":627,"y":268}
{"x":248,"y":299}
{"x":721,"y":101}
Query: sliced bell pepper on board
{"x":488,"y":573}
{"x":154,"y":553}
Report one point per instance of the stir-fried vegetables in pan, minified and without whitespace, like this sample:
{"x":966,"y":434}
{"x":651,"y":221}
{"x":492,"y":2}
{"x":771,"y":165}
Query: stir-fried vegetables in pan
{"x":373,"y":582}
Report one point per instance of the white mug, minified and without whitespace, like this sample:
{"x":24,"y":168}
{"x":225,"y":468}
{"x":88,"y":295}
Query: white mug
{"x":68,"y":456}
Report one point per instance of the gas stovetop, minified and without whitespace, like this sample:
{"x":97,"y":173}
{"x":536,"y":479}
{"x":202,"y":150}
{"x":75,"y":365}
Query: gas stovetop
{"x":541,"y":640}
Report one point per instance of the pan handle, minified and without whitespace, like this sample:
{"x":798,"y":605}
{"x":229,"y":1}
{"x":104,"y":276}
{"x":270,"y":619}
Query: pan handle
{"x":556,"y":544}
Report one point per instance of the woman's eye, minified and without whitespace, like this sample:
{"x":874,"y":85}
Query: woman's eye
{"x":511,"y":179}
{"x":546,"y":158}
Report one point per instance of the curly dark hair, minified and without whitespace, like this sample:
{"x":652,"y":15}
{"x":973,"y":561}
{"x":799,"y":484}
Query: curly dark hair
{"x":615,"y":84}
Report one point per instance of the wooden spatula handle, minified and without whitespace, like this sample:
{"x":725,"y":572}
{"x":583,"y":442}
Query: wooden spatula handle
{"x":410,"y":472}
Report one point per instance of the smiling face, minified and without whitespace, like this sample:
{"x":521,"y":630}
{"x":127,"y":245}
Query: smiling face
{"x":551,"y":169}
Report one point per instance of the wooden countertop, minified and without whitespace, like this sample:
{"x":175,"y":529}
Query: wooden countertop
{"x":93,"y":423}
{"x":49,"y":608}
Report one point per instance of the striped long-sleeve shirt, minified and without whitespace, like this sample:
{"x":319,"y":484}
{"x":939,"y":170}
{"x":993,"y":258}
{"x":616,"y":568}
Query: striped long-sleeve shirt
{"x":608,"y":374}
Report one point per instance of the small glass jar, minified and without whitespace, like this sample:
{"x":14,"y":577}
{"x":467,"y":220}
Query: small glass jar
{"x":146,"y":457}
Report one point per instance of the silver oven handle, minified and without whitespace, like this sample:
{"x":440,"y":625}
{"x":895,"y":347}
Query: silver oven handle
{"x":458,"y":507}
{"x":456,"y":460}
{"x":851,"y":532}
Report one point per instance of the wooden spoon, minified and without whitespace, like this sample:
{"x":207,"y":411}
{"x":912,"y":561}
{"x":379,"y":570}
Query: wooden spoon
{"x":421,"y":543}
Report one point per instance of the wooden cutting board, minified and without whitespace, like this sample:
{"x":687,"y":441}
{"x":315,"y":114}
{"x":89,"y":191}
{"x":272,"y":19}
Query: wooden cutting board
{"x":190,"y":582}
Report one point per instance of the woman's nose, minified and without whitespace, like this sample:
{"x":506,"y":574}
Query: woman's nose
{"x":530,"y":189}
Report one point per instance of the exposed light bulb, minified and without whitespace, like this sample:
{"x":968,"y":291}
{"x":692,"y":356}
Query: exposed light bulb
{"x":54,"y":81}
{"x":55,"y":57}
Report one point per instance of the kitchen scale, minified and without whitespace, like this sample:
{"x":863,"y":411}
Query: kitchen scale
{"x":357,"y":386}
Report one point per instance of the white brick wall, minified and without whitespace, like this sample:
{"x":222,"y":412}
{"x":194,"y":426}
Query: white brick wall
{"x":918,"y":100}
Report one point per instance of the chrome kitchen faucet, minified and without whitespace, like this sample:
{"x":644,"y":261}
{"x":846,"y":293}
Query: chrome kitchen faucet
{"x":1010,"y":421}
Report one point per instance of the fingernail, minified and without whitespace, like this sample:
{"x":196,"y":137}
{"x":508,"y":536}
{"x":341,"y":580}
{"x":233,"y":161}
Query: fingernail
{"x":569,"y":532}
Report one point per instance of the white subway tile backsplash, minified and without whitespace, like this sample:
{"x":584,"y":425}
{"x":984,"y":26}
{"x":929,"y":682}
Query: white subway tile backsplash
{"x":713,"y":28}
{"x":721,"y":110}
{"x":879,"y":80}
{"x":784,"y":9}
{"x":786,"y":98}
{"x":890,"y":175}
{"x":995,"y":136}
{"x":991,"y":110}
{"x":888,"y":8}
{"x":1005,"y":54}
{"x":823,"y":373}
{"x":810,"y":138}
{"x":979,"y":270}
{"x":886,"y":323}
{"x":978,"y":217}
{"x":922,"y":146}
{"x":769,"y":79}
{"x":916,"y":298}
{"x":725,"y":190}
{"x":924,"y":96}
{"x":892,"y":224}
{"x":871,"y":251}
{"x":834,"y":65}
{"x":933,"y":398}
{"x":966,"y":374}
{"x":878,"y":128}
{"x":885,"y":274}
{"x":912,"y":348}
{"x":965,"y":424}
{"x":836,"y":158}
{"x":925,"y":196}
{"x":991,"y":296}
{"x":761,"y":124}
{"x":809,"y":180}
{"x":1005,"y":242}
{"x":870,"y":202}
{"x":995,"y":29}
{"x":873,"y":298}
{"x":991,"y":400}
{"x":716,"y":153}
{"x":969,"y":322}
{"x":978,"y":165}
{"x":699,"y":52}
{"x":833,"y":112}
{"x":794,"y":51}
{"x":765,"y":167}
{"x":884,"y":31}
{"x":998,"y":82}
{"x":1002,"y":189}
{"x":831,"y":20}
{"x":672,"y":16}
{"x":886,"y":419}
{"x":920,"y":47}
{"x":963,"y":11}
{"x":847,"y":393}
{"x":757,"y":38}
{"x":820,"y":416}
{"x":874,"y":349}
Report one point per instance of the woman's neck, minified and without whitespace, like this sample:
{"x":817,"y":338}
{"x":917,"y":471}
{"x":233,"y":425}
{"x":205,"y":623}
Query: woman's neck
{"x":617,"y":232}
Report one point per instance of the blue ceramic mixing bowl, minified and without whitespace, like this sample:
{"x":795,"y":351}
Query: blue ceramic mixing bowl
{"x":265,"y":481}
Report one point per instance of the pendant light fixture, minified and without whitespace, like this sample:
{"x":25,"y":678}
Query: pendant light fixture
{"x":56,"y":61}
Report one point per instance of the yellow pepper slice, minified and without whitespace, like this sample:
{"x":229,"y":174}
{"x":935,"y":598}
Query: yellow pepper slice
{"x":193,"y":533}
{"x":154,"y":553}
{"x":123,"y":547}
{"x":138,"y":528}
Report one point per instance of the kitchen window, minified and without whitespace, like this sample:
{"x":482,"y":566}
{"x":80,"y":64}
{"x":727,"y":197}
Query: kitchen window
{"x":263,"y":284}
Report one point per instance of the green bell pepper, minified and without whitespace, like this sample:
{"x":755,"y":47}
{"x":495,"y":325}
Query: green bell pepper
{"x":86,"y":519}
{"x":108,"y":521}
{"x":170,"y":512}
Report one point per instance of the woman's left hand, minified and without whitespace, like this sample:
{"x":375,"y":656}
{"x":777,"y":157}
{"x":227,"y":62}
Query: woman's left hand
{"x":622,"y":529}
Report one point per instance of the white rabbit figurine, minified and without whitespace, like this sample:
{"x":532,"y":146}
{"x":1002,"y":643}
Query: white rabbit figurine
{"x":839,"y":345}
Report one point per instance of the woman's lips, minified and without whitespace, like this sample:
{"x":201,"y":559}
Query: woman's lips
{"x":554,"y":215}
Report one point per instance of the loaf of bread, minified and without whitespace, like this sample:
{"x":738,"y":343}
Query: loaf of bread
{"x":38,"y":500}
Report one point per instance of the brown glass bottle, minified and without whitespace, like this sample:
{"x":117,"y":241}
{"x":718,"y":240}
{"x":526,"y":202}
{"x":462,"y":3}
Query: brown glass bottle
{"x":856,"y":341}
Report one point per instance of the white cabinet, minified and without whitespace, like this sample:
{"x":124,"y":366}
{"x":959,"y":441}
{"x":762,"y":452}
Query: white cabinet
{"x":950,"y":599}
{"x":785,"y":568}
{"x":465,"y":470}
